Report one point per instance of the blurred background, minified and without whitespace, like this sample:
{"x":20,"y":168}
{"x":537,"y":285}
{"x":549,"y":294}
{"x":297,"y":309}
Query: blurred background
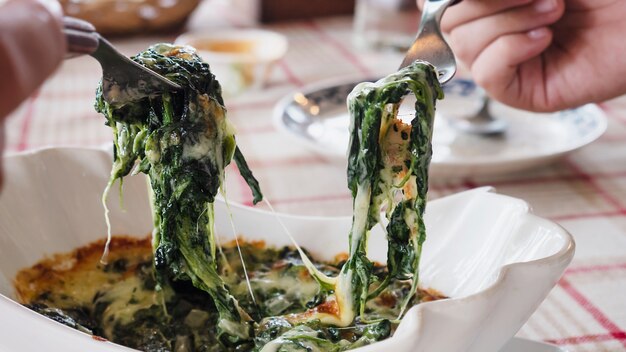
{"x":286,"y":67}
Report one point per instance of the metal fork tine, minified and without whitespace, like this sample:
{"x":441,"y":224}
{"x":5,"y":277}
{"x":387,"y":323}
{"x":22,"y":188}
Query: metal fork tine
{"x":123,"y":71}
{"x":117,"y":69}
{"x":429,"y":44}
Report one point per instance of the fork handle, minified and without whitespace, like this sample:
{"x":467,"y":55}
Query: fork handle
{"x":81,"y":36}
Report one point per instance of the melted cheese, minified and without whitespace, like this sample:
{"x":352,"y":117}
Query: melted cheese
{"x":282,"y":342}
{"x":77,"y":280}
{"x":124,"y":299}
{"x":76,"y":277}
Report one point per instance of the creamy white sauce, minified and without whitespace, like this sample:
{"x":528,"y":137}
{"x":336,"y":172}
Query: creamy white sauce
{"x":300,"y":330}
{"x":126,"y":298}
{"x":200,"y":149}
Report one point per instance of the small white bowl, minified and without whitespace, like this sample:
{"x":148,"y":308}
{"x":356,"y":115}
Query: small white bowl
{"x":241,"y":59}
{"x":495,"y":259}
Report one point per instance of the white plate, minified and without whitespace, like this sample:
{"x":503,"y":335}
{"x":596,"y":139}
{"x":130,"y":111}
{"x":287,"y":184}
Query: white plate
{"x":487,"y":251}
{"x":318,"y":117}
{"x":238,"y":68}
{"x":523,"y":345}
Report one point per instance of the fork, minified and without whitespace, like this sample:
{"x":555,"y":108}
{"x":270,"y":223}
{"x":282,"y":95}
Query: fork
{"x":122,"y":78}
{"x":429,"y":44}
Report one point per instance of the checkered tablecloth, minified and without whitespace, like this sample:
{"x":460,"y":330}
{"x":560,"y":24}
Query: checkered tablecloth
{"x":585,"y":192}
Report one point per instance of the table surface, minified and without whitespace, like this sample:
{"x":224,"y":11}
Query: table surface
{"x":585,"y":192}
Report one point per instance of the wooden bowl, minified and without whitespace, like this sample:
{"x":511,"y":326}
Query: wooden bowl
{"x":123,"y":17}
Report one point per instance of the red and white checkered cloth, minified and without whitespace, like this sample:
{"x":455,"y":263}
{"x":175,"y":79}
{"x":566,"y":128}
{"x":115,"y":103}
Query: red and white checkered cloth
{"x":585,"y":192}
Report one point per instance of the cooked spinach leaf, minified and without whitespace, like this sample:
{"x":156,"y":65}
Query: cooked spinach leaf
{"x":387,"y":168}
{"x":183,"y":141}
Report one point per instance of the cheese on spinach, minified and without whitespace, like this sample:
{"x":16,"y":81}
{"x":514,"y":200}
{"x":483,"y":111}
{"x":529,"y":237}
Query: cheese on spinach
{"x":387,"y":169}
{"x":182,"y":141}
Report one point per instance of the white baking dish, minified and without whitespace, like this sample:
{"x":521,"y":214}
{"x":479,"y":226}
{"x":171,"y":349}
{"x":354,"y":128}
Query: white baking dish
{"x":487,"y":251}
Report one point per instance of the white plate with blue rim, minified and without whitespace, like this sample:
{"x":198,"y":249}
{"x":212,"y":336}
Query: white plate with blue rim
{"x":317,"y":116}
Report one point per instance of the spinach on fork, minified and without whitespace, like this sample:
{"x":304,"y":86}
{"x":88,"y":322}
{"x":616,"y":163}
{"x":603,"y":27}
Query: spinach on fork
{"x":182,"y":141}
{"x":387,"y":167}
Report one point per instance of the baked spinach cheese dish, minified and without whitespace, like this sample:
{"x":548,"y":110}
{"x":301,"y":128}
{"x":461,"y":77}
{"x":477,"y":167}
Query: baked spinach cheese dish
{"x":180,"y":290}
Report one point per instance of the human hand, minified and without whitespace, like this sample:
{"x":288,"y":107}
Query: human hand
{"x":32,"y":45}
{"x":542,"y":55}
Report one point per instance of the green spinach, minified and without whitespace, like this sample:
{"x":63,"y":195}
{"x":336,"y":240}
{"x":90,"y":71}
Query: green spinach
{"x":182,"y":141}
